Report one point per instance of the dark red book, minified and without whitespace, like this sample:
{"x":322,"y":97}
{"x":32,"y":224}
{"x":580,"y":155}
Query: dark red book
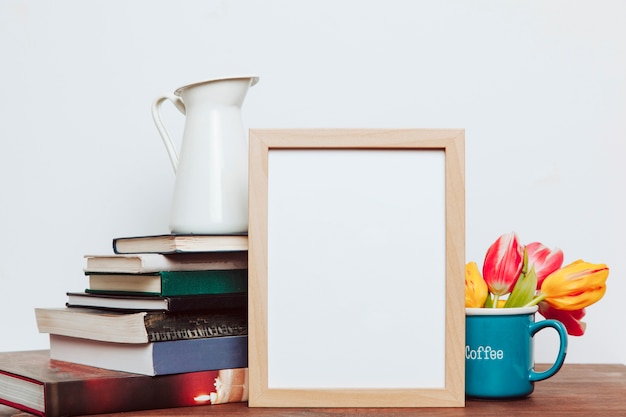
{"x":32,"y":382}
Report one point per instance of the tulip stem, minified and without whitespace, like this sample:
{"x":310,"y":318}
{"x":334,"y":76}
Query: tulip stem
{"x":536,"y":300}
{"x":496,"y":297}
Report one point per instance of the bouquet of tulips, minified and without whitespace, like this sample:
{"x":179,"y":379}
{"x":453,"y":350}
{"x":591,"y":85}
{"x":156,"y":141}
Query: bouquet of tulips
{"x":516,"y":275}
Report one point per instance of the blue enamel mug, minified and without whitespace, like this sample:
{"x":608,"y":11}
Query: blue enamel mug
{"x":499,"y":360}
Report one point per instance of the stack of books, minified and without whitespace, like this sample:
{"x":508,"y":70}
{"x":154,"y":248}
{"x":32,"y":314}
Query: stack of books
{"x":162,"y":323}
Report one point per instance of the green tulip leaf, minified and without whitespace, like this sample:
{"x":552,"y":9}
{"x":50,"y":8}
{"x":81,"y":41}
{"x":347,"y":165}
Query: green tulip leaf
{"x":489,"y":301}
{"x":524,"y":290}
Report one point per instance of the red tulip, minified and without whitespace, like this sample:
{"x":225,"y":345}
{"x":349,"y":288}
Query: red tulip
{"x":570,"y":319}
{"x":503,"y":264}
{"x":544,"y":260}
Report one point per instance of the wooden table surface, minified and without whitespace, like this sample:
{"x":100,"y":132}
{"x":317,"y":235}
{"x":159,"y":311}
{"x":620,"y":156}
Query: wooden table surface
{"x":576,"y":390}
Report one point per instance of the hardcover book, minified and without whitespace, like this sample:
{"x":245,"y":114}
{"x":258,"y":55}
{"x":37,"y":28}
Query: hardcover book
{"x":155,"y":358}
{"x":156,"y":262}
{"x":30,"y":381}
{"x":141,"y":327}
{"x":180,"y":243}
{"x":172,"y":282}
{"x":178,"y":303}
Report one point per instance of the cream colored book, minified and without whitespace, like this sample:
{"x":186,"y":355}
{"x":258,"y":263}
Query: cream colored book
{"x":156,"y":262}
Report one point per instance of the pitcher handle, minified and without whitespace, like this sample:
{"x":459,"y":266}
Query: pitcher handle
{"x":560,"y":328}
{"x":156,"y":116}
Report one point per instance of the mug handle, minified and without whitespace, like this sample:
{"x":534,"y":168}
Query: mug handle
{"x":534,"y":328}
{"x":156,"y":116}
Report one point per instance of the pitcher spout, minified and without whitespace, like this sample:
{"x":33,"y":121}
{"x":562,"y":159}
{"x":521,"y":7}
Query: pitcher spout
{"x":226,"y":91}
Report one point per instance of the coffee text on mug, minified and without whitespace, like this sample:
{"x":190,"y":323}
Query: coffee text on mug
{"x":483,"y":352}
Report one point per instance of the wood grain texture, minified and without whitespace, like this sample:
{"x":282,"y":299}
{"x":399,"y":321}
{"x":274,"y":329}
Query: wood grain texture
{"x":577,"y":390}
{"x":451,"y":141}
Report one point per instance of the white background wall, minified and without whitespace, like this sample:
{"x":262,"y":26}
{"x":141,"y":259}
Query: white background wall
{"x":539,"y":86}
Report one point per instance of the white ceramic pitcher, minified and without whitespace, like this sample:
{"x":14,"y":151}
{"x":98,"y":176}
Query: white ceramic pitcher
{"x":211,"y":189}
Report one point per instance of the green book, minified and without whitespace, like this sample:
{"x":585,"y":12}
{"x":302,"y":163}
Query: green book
{"x":171,"y":283}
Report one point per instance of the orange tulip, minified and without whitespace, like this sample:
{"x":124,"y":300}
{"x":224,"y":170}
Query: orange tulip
{"x":575,"y":286}
{"x":475,"y":287}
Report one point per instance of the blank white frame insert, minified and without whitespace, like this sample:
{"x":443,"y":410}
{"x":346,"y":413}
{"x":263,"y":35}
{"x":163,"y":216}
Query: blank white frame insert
{"x":359,"y":259}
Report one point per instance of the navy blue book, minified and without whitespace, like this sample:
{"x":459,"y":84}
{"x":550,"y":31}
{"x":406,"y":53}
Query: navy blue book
{"x":156,"y":358}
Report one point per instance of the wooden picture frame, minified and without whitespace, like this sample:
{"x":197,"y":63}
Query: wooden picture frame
{"x":356,"y":268}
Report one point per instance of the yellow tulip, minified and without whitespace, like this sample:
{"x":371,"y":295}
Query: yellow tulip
{"x":575,"y":286}
{"x":475,"y":287}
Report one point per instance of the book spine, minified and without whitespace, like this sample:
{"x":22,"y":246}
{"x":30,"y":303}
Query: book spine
{"x":113,"y":395}
{"x":168,"y":327}
{"x":179,"y":243}
{"x":200,"y":354}
{"x":204,"y":282}
{"x":199,"y":302}
{"x":156,"y":262}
